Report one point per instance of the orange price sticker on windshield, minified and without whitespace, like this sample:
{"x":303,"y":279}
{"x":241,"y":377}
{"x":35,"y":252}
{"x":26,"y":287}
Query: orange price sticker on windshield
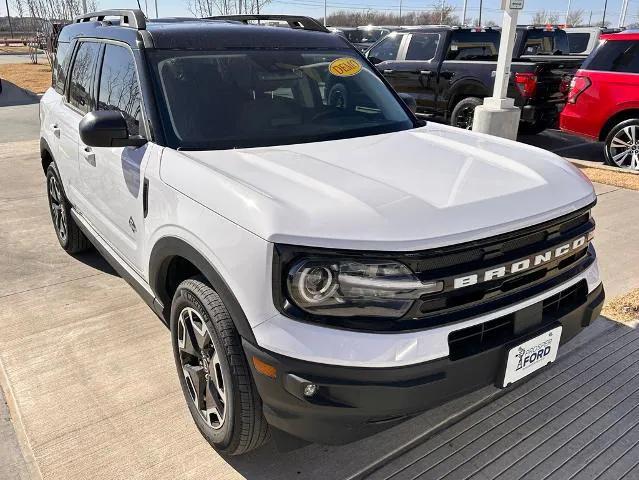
{"x":344,"y":67}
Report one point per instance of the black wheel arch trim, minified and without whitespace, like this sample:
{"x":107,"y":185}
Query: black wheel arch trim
{"x":165,"y":250}
{"x":45,"y":149}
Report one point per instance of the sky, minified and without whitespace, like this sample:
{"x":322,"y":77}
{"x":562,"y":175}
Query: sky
{"x":490,"y":9}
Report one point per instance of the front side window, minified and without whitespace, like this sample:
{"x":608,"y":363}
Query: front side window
{"x":386,"y":49}
{"x":60,"y":66}
{"x":82,"y":76}
{"x":219,"y":100}
{"x":422,"y":46}
{"x":119,"y":88}
{"x":615,"y":56}
{"x":467,"y":45}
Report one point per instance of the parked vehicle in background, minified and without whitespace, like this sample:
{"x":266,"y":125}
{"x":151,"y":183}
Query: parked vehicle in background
{"x":363,"y":37}
{"x":449,"y":70}
{"x":603,"y":103}
{"x":326,"y":270}
{"x":583,"y":40}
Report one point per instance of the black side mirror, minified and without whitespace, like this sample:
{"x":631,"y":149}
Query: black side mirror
{"x":107,"y":128}
{"x":410,"y":102}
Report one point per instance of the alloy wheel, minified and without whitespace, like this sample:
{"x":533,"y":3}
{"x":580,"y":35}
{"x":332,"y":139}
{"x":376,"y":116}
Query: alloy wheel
{"x":58,"y":213}
{"x":201,"y":367}
{"x":624,"y":148}
{"x":465,"y":117}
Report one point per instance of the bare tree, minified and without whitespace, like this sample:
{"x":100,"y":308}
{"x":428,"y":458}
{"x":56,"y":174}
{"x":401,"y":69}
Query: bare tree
{"x":576,"y":17}
{"x":543,"y":17}
{"x":208,"y":8}
{"x":345,"y":18}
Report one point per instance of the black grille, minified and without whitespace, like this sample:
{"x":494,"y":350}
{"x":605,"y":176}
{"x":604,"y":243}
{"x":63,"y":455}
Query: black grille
{"x":478,"y":338}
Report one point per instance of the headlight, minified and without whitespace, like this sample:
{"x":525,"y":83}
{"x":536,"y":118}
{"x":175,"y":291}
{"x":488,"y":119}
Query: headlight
{"x":348,"y":288}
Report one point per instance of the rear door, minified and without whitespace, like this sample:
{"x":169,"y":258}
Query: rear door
{"x":79,"y":101}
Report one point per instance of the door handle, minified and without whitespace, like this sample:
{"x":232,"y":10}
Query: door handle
{"x":426,"y":73}
{"x":88,"y":155}
{"x":55,"y":129}
{"x":387,"y":71}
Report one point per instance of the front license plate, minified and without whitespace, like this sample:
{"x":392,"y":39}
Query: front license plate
{"x":531,"y":355}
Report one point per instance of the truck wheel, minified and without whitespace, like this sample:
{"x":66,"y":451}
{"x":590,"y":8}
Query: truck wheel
{"x":71,"y":238}
{"x":213,"y":371}
{"x":622,"y":145}
{"x":464,"y":112}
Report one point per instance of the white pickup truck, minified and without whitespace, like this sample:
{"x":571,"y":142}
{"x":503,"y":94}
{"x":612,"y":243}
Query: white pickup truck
{"x":327,"y":269}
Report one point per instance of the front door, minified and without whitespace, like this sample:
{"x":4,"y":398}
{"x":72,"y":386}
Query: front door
{"x":114,"y":177}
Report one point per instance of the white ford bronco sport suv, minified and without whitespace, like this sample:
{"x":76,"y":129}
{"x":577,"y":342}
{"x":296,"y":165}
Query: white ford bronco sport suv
{"x":328,"y":264}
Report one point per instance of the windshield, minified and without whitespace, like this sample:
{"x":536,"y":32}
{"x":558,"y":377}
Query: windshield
{"x":234,"y":99}
{"x":365,"y":35}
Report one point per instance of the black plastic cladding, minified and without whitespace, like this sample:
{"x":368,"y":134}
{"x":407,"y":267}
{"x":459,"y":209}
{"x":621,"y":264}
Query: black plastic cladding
{"x":494,"y":295}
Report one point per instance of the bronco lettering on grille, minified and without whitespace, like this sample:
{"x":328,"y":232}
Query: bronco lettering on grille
{"x":520,"y":265}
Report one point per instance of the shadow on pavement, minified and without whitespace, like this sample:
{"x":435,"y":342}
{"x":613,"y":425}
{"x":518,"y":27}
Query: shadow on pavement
{"x":93,"y":259}
{"x":566,"y":145}
{"x":11,"y":95}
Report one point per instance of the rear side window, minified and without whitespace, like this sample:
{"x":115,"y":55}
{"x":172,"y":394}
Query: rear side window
{"x":545,"y":42}
{"x":422,"y":46}
{"x":615,"y":56}
{"x":82,"y":76}
{"x":466,"y":45}
{"x":387,"y":49}
{"x":578,"y":42}
{"x":60,"y":67}
{"x":119,"y":87}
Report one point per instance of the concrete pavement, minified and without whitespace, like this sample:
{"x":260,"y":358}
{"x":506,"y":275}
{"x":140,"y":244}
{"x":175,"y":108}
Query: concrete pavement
{"x":19,"y":114}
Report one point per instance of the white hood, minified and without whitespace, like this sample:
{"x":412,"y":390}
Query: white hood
{"x":411,"y":190}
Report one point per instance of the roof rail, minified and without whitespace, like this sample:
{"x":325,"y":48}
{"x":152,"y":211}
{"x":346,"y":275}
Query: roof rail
{"x":294,"y":21}
{"x":128,"y":18}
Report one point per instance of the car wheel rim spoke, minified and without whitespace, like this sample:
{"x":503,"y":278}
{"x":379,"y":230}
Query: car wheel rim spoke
{"x":203,"y":372}
{"x":57,"y":211}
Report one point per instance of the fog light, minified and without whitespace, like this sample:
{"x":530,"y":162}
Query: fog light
{"x":310,"y":390}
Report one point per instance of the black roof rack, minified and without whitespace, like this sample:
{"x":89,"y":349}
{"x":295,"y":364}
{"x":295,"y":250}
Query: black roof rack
{"x":128,"y":18}
{"x":294,"y":21}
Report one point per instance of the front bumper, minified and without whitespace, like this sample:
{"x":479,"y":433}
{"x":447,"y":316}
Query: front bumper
{"x":355,"y":402}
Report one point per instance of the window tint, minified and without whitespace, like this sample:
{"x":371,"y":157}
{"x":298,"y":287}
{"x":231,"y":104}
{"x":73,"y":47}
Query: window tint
{"x":60,"y":66}
{"x":82,"y":76}
{"x":119,"y":87}
{"x":386,"y":49}
{"x":615,"y":56}
{"x":545,"y":42}
{"x":466,"y":45}
{"x":578,"y":42}
{"x":422,"y":46}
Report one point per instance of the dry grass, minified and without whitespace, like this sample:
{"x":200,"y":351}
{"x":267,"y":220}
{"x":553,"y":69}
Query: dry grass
{"x":36,"y":78}
{"x":14,"y":49}
{"x":624,"y":308}
{"x":617,"y":179}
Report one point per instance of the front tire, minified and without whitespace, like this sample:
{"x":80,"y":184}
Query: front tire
{"x":464,"y":112}
{"x":622,"y":145}
{"x":213,"y":370}
{"x":71,"y":238}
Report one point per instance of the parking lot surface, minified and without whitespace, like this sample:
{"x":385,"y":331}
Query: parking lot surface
{"x":93,"y":392}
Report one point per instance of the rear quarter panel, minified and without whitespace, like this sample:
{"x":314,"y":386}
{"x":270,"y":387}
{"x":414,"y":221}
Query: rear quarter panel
{"x":609,"y":94}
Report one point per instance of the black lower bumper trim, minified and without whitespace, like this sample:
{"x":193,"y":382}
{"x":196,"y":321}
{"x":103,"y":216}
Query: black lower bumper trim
{"x":352,"y":402}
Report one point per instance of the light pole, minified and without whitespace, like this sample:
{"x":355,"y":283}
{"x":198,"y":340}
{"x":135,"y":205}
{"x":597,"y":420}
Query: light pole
{"x":400,"y":13}
{"x":464,"y":12}
{"x":624,"y":10}
{"x":603,"y":19}
{"x":156,"y":9}
{"x":568,"y":11}
{"x":9,"y":18}
{"x":324,"y":12}
{"x":480,"y":5}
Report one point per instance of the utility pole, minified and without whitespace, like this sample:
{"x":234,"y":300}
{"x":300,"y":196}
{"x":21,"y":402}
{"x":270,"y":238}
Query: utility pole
{"x":464,"y":12}
{"x":84,"y":6}
{"x":603,"y":19}
{"x":480,"y":5}
{"x":590,"y":19}
{"x":325,"y":12}
{"x":568,"y":11}
{"x":9,"y":17}
{"x":622,"y":16}
{"x":156,"y":9}
{"x":400,"y":13}
{"x":441,"y":13}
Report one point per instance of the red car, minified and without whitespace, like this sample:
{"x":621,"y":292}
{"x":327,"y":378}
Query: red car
{"x":603,"y":103}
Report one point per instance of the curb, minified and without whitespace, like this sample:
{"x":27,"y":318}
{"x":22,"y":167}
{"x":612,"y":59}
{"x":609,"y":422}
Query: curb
{"x":598,"y":166}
